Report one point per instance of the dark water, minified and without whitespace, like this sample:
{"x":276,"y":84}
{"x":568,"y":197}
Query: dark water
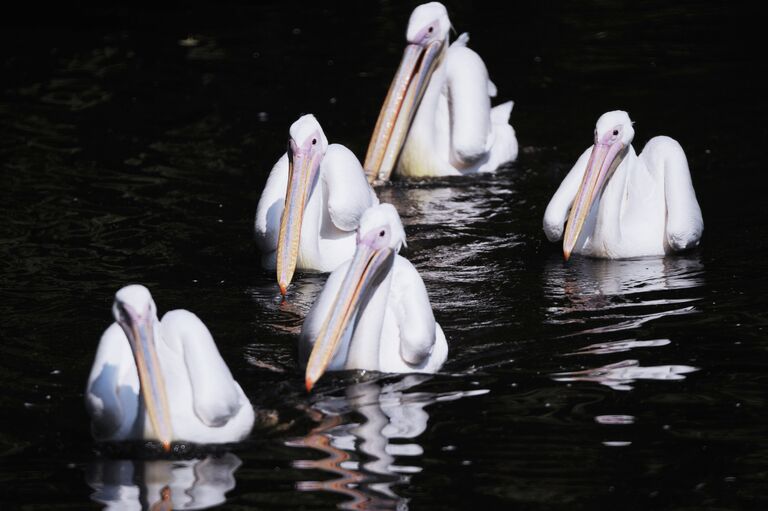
{"x":134,"y":143}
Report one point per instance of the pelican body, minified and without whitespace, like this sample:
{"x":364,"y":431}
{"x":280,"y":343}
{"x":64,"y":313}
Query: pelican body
{"x":162,"y":380}
{"x":617,"y":204}
{"x":374,"y":312}
{"x":311,"y":205}
{"x":437,"y":118}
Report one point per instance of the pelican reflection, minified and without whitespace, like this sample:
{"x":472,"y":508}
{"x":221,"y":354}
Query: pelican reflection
{"x":162,"y":484}
{"x":627,"y":293}
{"x":620,"y":375}
{"x":608,"y":301}
{"x":369,"y":435}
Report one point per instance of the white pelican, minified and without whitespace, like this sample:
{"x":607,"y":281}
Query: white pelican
{"x":623,"y":204}
{"x":311,"y":204}
{"x":374,"y":312}
{"x":442,"y":93}
{"x":162,"y":380}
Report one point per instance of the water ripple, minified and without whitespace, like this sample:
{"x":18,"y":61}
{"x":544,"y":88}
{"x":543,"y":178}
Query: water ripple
{"x":620,"y":375}
{"x":369,"y":436}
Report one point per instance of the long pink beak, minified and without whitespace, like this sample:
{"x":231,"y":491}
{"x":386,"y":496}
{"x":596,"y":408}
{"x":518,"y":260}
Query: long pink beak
{"x":603,"y":161}
{"x":400,"y":105}
{"x":302,"y":168}
{"x":366,"y":265}
{"x":140,"y":334}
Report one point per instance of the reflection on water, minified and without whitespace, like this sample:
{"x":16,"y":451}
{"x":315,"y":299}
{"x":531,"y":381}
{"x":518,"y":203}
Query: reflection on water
{"x":460,"y":232}
{"x":607,"y":296}
{"x":618,"y":376}
{"x":604,"y":348}
{"x":615,"y":419}
{"x":628,"y":293}
{"x":454,"y":203}
{"x":162,"y":484}
{"x":363,"y":432}
{"x":281,"y":319}
{"x":135,"y":148}
{"x":586,"y":277}
{"x":286,"y":315}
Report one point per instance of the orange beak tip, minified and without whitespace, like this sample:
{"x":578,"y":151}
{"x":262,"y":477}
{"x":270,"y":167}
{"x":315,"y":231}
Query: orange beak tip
{"x":283,"y":289}
{"x":166,"y":445}
{"x":309,"y":384}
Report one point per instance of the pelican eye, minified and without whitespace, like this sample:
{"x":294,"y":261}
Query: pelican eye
{"x":615,"y":132}
{"x":314,"y":141}
{"x":382,"y":233}
{"x":431,"y":29}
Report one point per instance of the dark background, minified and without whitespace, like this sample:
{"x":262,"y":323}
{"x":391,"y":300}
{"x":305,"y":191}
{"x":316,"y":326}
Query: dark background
{"x":128,"y":155}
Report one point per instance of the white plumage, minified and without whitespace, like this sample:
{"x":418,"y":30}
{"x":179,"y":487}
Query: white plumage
{"x":162,"y":380}
{"x":311,"y":204}
{"x":616,"y":204}
{"x":446,"y":92}
{"x":374,"y":312}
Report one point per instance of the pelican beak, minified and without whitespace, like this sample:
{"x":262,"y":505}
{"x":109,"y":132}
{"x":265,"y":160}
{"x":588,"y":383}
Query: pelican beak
{"x":400,"y":105}
{"x":365,"y":271}
{"x":603,"y":161}
{"x":140,"y":333}
{"x":303,"y":165}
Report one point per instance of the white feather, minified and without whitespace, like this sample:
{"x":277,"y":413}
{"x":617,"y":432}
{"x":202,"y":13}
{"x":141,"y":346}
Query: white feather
{"x":206,"y":403}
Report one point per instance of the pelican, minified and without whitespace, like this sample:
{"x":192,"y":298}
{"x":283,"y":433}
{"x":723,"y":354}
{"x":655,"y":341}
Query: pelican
{"x":619,"y":204}
{"x":162,"y":380}
{"x":311,"y":205}
{"x":438,"y":109}
{"x":373,"y":313}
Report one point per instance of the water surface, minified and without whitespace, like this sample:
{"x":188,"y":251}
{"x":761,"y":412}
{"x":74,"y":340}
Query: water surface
{"x":134,"y":144}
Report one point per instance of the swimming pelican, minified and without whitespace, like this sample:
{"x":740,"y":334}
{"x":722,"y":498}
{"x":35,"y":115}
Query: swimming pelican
{"x":442,"y":93}
{"x":374,"y":312}
{"x":162,"y":380}
{"x":311,"y":205}
{"x":623,"y":204}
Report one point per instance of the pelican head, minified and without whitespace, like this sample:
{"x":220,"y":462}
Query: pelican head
{"x":427,"y":37}
{"x":379,"y":237}
{"x":135,"y":311}
{"x":306,"y":147}
{"x":613,"y":136}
